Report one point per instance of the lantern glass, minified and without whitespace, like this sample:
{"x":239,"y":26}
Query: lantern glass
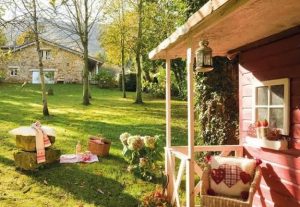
{"x":204,"y":57}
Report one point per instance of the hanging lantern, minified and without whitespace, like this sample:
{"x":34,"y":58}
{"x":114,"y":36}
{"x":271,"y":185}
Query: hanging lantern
{"x":204,"y":57}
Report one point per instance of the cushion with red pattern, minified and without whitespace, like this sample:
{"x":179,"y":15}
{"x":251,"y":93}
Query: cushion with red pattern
{"x":231,"y":176}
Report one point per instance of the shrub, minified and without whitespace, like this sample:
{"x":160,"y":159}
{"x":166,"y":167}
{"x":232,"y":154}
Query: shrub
{"x":143,"y":154}
{"x":130,"y":81}
{"x":2,"y":76}
{"x":105,"y":78}
{"x":155,"y":199}
{"x":158,"y":88}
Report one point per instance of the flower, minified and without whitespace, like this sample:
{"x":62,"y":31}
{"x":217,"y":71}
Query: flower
{"x":130,"y":168}
{"x":143,"y":162}
{"x":149,"y":141}
{"x":135,"y":143}
{"x":124,"y":138}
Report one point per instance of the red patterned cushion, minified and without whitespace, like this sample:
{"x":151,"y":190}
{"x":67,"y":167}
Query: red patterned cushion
{"x":237,"y":176}
{"x":232,"y":174}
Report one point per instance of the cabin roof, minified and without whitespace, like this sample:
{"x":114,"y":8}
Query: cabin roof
{"x":230,"y":24}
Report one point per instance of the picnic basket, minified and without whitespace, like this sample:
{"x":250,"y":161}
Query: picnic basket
{"x":99,"y":146}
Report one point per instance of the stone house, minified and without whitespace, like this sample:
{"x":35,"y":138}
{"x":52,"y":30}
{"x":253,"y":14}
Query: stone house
{"x":61,"y":64}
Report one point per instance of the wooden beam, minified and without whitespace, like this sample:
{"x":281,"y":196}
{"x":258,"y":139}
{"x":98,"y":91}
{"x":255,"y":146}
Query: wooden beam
{"x":169,"y":171}
{"x":190,"y":197}
{"x":168,"y":102}
{"x":175,"y":197}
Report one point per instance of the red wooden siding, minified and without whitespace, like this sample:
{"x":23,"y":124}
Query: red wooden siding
{"x":280,"y":186}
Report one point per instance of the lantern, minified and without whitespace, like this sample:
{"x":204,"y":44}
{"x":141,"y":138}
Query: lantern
{"x":204,"y":57}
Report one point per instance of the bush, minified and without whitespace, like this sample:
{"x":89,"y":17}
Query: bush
{"x":2,"y":76}
{"x":158,"y":88}
{"x":105,"y":78}
{"x":143,"y":154}
{"x":130,"y":82}
{"x":155,"y":199}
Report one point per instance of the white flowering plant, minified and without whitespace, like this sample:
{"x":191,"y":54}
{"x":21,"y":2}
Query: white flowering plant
{"x":143,"y":154}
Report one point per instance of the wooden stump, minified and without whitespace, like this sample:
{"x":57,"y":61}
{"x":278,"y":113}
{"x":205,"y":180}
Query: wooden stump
{"x":27,"y":143}
{"x":27,"y":160}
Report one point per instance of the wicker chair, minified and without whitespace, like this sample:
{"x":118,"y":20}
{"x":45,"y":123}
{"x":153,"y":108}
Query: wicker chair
{"x":222,"y":201}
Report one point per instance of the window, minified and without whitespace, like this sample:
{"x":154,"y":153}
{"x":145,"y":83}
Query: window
{"x":46,"y":54}
{"x":271,"y":102}
{"x":13,"y":71}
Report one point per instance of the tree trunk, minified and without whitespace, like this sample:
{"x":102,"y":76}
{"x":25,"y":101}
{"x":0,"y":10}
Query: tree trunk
{"x":86,"y":93}
{"x":123,"y":51}
{"x":123,"y":71}
{"x":38,"y":49}
{"x":139,"y":99}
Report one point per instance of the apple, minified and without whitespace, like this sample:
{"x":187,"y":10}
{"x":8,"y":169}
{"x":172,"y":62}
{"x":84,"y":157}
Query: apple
{"x":265,"y":123}
{"x":257,"y":124}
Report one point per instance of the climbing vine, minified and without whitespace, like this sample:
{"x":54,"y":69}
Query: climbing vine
{"x":217,"y":103}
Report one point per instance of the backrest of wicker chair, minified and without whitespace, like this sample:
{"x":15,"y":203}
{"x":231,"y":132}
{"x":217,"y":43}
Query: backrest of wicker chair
{"x":223,"y":201}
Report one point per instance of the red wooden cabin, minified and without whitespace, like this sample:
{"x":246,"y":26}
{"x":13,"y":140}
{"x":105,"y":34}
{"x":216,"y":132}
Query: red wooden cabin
{"x":265,"y":35}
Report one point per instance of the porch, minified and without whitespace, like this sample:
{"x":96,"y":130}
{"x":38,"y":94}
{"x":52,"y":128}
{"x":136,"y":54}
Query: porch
{"x":263,"y":35}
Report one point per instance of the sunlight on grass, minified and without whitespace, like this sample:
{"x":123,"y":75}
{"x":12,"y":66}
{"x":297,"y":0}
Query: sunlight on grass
{"x":73,"y":185}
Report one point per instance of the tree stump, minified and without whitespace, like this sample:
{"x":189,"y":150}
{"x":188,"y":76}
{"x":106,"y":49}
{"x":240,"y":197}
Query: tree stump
{"x":27,"y":143}
{"x":27,"y":160}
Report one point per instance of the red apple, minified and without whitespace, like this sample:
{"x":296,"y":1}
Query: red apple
{"x":257,"y":124}
{"x":265,"y":123}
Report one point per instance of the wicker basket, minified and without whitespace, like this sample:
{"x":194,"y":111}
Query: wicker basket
{"x":99,"y":146}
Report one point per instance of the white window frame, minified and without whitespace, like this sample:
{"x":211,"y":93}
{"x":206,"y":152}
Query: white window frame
{"x":286,"y":101}
{"x":46,"y":54}
{"x":15,"y":70}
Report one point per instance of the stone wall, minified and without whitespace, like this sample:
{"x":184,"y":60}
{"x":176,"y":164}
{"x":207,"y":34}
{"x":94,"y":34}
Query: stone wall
{"x":68,"y":66}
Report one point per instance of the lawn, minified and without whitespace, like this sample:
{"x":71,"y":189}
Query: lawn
{"x":106,"y":183}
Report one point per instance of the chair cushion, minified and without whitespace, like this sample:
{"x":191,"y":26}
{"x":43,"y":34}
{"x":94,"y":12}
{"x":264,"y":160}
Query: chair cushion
{"x":230,"y":175}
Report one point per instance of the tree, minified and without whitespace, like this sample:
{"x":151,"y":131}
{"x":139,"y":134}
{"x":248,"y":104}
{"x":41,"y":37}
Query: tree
{"x":30,"y":12}
{"x":118,"y":36}
{"x":81,"y":16}
{"x":2,"y":38}
{"x":193,"y":6}
{"x":25,"y":36}
{"x":138,"y":98}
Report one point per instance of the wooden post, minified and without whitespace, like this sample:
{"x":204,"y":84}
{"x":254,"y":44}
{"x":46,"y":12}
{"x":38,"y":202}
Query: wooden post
{"x":169,"y":159}
{"x":190,"y":196}
{"x":168,"y":103}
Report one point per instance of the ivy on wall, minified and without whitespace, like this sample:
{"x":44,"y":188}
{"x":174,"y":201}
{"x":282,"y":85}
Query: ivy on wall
{"x":217,"y":103}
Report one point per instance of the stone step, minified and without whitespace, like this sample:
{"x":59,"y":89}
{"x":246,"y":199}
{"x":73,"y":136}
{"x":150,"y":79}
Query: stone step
{"x":27,"y":160}
{"x":27,"y":143}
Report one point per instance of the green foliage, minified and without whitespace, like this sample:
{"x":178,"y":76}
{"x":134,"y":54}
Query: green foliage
{"x":25,"y":36}
{"x":157,"y":88}
{"x":194,"y":6}
{"x":105,"y":78}
{"x":130,"y":81}
{"x":143,"y":154}
{"x":3,"y":39}
{"x":217,"y":104}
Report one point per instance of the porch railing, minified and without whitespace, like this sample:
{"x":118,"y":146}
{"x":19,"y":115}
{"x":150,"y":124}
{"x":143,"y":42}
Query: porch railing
{"x":181,"y":153}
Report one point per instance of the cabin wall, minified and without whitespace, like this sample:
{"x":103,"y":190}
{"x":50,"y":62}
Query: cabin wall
{"x":281,"y":169}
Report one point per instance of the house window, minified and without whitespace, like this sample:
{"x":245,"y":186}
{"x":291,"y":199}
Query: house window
{"x":13,"y":71}
{"x":271,"y":102}
{"x":46,"y":54}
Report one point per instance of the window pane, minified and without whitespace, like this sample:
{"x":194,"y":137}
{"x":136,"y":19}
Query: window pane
{"x":276,"y":118}
{"x":277,"y":94}
{"x":261,"y":113}
{"x":262,"y":95}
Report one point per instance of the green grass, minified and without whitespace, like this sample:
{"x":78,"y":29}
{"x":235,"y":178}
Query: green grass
{"x":79,"y":184}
